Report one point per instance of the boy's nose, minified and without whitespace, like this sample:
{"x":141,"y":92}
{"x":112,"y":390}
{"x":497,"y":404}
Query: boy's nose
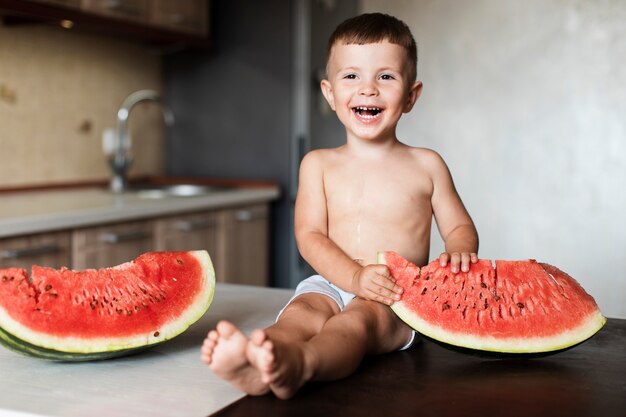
{"x":368,"y":89}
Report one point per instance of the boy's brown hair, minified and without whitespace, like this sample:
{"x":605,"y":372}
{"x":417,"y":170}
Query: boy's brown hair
{"x":374,"y":28}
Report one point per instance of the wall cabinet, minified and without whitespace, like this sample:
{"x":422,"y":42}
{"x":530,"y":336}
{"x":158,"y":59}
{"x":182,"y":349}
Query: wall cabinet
{"x":237,"y":239}
{"x":160,"y":22}
{"x":49,"y":249}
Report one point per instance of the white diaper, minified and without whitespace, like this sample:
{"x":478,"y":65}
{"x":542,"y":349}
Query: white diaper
{"x":318,"y":284}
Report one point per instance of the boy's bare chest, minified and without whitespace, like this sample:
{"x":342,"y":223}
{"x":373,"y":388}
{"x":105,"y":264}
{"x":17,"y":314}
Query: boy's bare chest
{"x":388,"y":190}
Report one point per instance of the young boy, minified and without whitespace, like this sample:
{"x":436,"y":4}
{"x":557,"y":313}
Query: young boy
{"x":371,"y":194}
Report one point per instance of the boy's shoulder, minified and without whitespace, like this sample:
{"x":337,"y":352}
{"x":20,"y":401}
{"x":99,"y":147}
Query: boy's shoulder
{"x":424,"y":155}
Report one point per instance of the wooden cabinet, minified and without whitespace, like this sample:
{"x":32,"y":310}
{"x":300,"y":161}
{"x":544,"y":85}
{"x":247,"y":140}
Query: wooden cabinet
{"x":159,"y":22}
{"x":190,"y":232}
{"x":109,"y":245}
{"x":185,"y":15}
{"x":244,"y":245}
{"x":134,"y":10}
{"x":63,"y":3}
{"x":237,"y":239}
{"x":49,"y":249}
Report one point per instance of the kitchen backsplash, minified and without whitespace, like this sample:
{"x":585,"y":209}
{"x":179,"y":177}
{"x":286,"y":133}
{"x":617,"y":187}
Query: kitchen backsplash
{"x":59,"y":90}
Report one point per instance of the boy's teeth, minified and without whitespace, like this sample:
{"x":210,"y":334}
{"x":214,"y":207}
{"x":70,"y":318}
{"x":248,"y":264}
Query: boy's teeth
{"x":368,"y":112}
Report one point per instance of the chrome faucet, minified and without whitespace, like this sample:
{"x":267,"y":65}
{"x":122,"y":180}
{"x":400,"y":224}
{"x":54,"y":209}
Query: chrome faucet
{"x":120,"y":160}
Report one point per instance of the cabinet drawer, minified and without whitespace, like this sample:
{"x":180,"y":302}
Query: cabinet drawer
{"x":110,"y":245}
{"x":50,"y":249}
{"x":187,"y":232}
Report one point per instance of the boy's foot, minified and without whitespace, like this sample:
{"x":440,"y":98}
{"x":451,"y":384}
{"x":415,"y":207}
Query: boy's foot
{"x":225,"y":352}
{"x":282,"y":365}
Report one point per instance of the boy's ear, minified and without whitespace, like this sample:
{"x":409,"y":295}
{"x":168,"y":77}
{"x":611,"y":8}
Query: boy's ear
{"x":327,"y":90}
{"x":414,"y":94}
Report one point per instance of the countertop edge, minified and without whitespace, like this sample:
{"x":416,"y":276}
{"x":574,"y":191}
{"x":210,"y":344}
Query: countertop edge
{"x":71,"y":219}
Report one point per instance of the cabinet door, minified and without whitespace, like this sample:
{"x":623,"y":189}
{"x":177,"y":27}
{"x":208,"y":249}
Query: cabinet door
{"x":65,"y":3}
{"x":105,"y":246}
{"x":188,"y":232}
{"x":182,"y":15}
{"x":50,"y":249}
{"x":245,"y":245}
{"x":135,"y":10}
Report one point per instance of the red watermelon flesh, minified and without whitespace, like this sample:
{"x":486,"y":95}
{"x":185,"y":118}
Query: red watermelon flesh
{"x":516,"y":307}
{"x":139,"y":303}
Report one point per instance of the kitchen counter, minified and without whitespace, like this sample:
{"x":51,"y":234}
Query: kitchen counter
{"x":428,"y":380}
{"x":167,"y":380}
{"x":41,"y":211}
{"x":588,"y":380}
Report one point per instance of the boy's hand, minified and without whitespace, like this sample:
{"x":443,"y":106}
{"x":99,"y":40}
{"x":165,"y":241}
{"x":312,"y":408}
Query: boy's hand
{"x":458,"y":259}
{"x":374,"y":282}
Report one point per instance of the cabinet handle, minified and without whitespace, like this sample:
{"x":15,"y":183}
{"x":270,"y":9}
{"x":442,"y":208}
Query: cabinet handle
{"x":26,"y":252}
{"x":250,"y":215}
{"x":113,"y":238}
{"x":190,"y":226}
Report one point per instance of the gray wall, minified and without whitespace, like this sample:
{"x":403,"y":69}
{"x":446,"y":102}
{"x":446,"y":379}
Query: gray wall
{"x":526,"y":102}
{"x":232,"y":104}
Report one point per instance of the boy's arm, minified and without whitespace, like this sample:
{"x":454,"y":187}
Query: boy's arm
{"x":372,"y":282}
{"x":453,"y":221}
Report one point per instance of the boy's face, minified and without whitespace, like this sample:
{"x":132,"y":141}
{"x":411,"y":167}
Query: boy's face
{"x":369,"y":89}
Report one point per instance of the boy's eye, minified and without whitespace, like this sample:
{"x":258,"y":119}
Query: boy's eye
{"x":386,"y":77}
{"x":350,"y":76}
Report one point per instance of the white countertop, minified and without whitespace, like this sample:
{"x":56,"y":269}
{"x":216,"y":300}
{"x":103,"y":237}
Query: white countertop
{"x":41,"y":211}
{"x":167,"y":380}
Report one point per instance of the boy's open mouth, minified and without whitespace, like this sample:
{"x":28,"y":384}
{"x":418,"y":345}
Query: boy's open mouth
{"x":367,"y":112}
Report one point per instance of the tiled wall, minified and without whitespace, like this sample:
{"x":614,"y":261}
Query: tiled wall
{"x":59,"y":90}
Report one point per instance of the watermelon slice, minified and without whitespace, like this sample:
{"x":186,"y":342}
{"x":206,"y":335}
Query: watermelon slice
{"x":516,"y":307}
{"x":96,"y":314}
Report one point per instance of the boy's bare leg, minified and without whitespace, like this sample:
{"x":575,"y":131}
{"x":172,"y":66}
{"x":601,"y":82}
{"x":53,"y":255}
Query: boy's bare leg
{"x":364,"y":327}
{"x":235,"y":358}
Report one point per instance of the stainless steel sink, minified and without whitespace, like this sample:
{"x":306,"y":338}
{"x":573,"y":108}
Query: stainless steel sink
{"x":151,"y":191}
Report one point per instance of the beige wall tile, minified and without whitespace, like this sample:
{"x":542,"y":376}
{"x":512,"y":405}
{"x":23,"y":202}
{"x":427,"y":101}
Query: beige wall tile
{"x":59,"y":90}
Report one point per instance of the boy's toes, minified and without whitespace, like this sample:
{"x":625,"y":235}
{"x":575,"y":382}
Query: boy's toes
{"x":258,"y":337}
{"x":226,"y":329}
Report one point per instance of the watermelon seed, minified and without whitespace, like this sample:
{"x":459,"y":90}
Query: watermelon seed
{"x":424,"y":290}
{"x":53,"y":295}
{"x":119,"y":310}
{"x":520,"y":305}
{"x":156,"y":334}
{"x":480,"y":295}
{"x":129,"y":312}
{"x":496,"y":297}
{"x":143,"y":290}
{"x":136,"y":308}
{"x":446,"y":306}
{"x":93,"y":304}
{"x":458,"y":306}
{"x":48,"y":287}
{"x":5,"y":278}
{"x":482,"y":284}
{"x":486,"y":304}
{"x":179,"y":261}
{"x":427,"y":278}
{"x":474,"y":306}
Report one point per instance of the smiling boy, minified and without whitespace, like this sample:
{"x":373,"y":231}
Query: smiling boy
{"x":371,"y":194}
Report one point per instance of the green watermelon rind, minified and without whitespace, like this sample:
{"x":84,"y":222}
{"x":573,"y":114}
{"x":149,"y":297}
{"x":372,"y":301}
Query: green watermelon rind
{"x":509,"y":346}
{"x":22,"y":340}
{"x":20,"y":346}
